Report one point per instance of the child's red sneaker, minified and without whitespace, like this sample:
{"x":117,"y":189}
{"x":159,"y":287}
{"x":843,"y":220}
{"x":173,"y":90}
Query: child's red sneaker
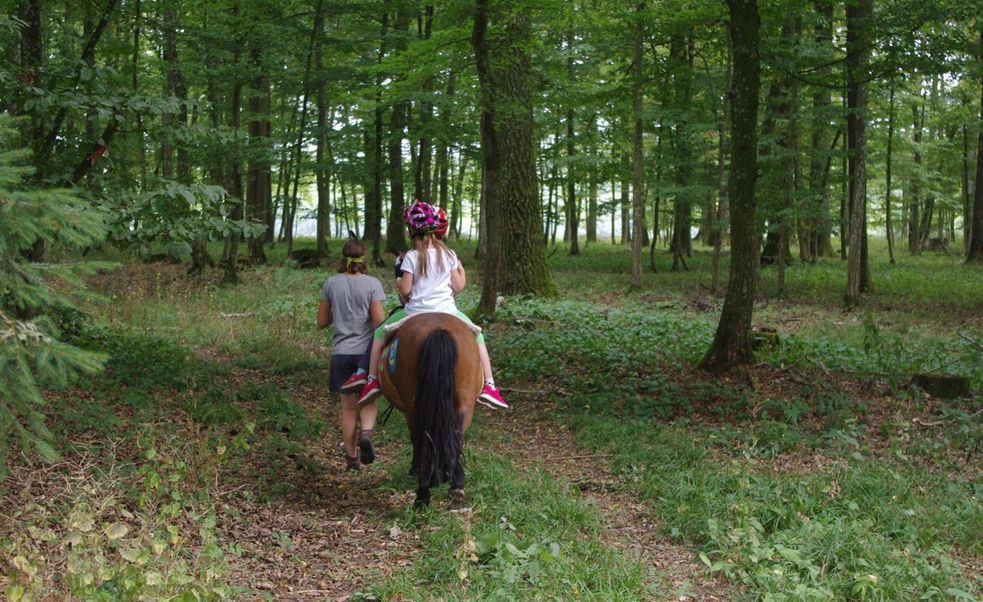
{"x":369,"y":391}
{"x":355,"y":383}
{"x":492,"y":397}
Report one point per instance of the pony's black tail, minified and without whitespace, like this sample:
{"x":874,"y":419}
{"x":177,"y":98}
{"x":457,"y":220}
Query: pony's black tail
{"x":439,"y":441}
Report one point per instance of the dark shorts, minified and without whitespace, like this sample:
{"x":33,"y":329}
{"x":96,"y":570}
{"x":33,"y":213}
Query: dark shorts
{"x":342,"y":366}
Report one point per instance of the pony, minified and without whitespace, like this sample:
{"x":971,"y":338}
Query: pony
{"x":430,"y":370}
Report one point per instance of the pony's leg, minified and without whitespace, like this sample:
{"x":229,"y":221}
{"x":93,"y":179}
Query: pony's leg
{"x":415,"y":462}
{"x":457,"y":474}
{"x":422,"y":497}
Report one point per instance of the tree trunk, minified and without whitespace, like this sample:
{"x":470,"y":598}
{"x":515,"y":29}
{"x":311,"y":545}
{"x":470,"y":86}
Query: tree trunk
{"x":591,"y":130}
{"x":732,"y":341}
{"x":234,"y":185}
{"x":975,"y":252}
{"x":443,"y":150}
{"x":818,"y":219}
{"x":515,"y":259}
{"x":373,"y":195}
{"x":421,"y":174}
{"x":572,"y":225}
{"x":638,"y":168}
{"x":625,"y":200}
{"x":858,"y":53}
{"x":395,"y":237}
{"x":721,"y":213}
{"x":323,"y":179}
{"x":141,"y":148}
{"x":258,"y":171}
{"x":887,"y":195}
{"x":572,"y":215}
{"x":680,"y":56}
{"x":914,"y":189}
{"x":967,"y":204}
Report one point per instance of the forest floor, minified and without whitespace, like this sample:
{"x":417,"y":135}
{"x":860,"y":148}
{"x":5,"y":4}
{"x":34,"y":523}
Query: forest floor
{"x":204,"y":462}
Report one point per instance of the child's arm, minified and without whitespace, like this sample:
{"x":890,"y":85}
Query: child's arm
{"x":458,"y":279}
{"x":324,"y":315}
{"x":405,"y":284}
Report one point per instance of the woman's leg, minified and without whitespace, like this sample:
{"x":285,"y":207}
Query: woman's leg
{"x":367,"y":413}
{"x":348,"y":415}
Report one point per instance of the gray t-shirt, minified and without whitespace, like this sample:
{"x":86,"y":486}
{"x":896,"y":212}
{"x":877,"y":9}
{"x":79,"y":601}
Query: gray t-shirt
{"x":351,"y":298}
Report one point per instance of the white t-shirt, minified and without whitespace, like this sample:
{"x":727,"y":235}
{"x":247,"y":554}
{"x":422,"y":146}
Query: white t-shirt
{"x":433,"y":291}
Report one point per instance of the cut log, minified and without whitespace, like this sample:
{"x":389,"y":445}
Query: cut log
{"x":306,"y":258}
{"x":763,"y":336}
{"x":943,"y":386}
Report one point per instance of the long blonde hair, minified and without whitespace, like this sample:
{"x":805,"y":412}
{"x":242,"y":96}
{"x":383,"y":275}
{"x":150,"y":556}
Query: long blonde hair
{"x":423,"y":242}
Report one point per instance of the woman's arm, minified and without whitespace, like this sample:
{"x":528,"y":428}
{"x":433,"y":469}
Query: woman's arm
{"x":405,"y":284}
{"x":458,"y":279}
{"x":324,"y":315}
{"x":377,"y":313}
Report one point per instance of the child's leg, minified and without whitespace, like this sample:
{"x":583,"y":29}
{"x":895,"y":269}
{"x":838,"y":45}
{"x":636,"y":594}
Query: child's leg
{"x":490,"y":394}
{"x":378,"y":337}
{"x":371,"y":388}
{"x":485,"y":360}
{"x":366,"y":359}
{"x":374,"y":354}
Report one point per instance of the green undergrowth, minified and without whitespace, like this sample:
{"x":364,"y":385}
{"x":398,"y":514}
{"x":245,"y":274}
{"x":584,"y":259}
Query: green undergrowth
{"x":787,"y":495}
{"x":523,"y":536}
{"x":630,"y":340}
{"x":129,"y":510}
{"x":861,"y":529}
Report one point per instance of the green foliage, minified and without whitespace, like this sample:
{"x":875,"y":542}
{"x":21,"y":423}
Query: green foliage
{"x":176,"y":216}
{"x":33,"y":296}
{"x":863,"y":530}
{"x":157,"y":540}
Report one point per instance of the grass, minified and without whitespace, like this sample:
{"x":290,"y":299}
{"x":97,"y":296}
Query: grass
{"x":523,"y":536}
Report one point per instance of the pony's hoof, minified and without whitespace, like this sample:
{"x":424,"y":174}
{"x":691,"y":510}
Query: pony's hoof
{"x":457,"y":496}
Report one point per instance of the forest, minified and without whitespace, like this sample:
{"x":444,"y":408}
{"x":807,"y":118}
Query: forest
{"x":727,"y":256}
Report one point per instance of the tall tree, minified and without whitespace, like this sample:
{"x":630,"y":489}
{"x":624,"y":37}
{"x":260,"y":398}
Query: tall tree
{"x":731,"y":344}
{"x":819,"y":225}
{"x":323,"y":179}
{"x":638,"y":168}
{"x":258,"y":175}
{"x":515,"y":260}
{"x":395,"y":237}
{"x":975,"y":252}
{"x":889,"y":229}
{"x":859,"y":14}
{"x":572,"y":213}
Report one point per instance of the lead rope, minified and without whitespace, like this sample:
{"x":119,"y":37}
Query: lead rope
{"x":384,"y":418}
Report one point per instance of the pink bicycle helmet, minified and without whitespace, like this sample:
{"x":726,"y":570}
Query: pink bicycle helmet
{"x":442,"y":223}
{"x":421,"y":217}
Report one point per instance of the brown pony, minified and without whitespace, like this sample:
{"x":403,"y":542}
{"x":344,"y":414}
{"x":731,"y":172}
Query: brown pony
{"x":431,"y":372}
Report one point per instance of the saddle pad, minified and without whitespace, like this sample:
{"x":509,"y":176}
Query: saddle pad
{"x":391,"y":356}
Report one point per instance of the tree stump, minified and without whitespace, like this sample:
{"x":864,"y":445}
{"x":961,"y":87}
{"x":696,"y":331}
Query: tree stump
{"x":306,"y":258}
{"x":943,"y":386}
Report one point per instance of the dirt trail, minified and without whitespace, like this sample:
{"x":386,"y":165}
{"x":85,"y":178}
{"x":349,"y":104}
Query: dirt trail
{"x":331,"y":535}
